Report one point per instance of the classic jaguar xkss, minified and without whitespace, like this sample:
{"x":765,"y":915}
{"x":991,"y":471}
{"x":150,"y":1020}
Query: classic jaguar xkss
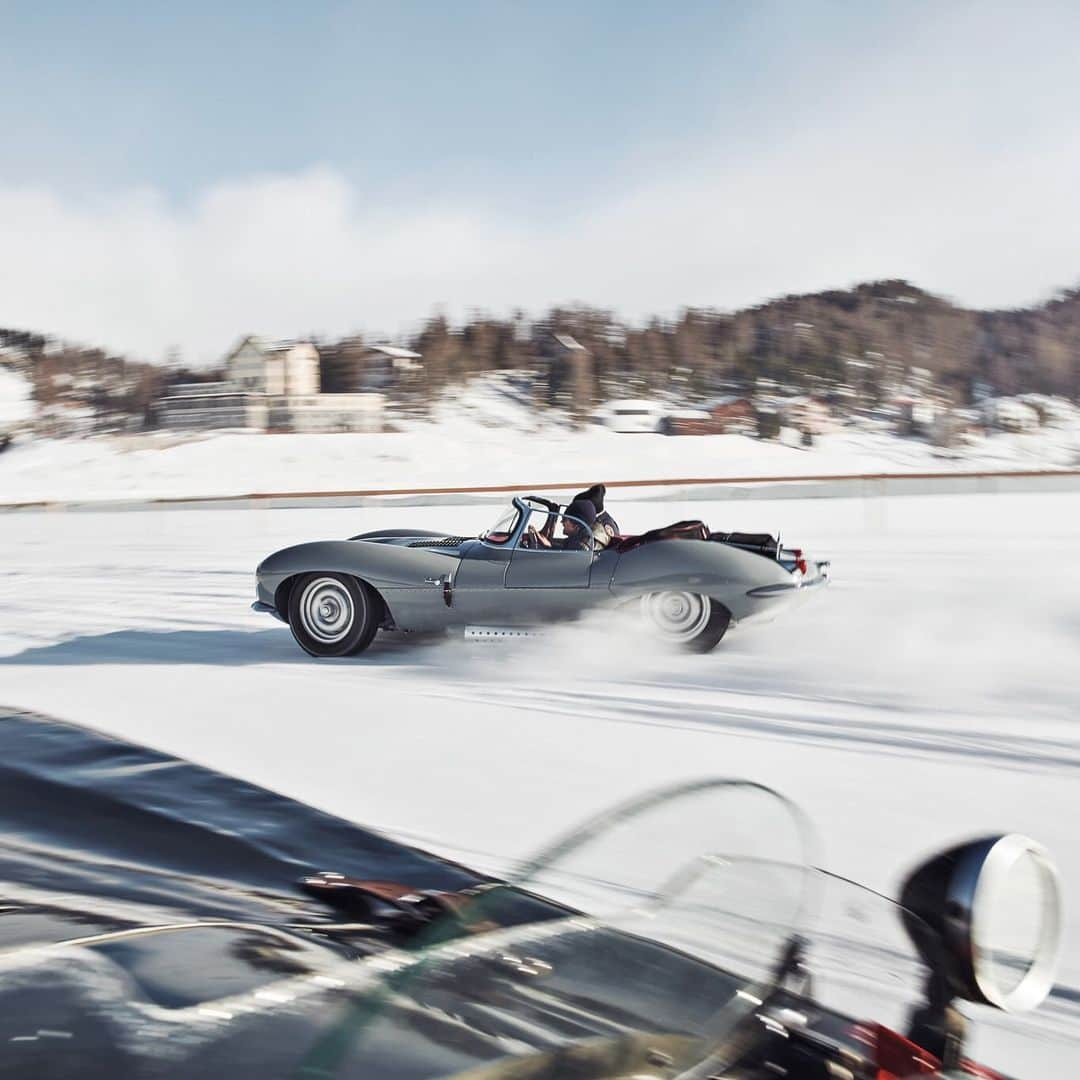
{"x":540,"y":563}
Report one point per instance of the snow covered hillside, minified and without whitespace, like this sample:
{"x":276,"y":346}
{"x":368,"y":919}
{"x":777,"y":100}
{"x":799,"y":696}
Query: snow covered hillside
{"x":467,"y":449}
{"x":16,"y":399}
{"x":930,"y":694}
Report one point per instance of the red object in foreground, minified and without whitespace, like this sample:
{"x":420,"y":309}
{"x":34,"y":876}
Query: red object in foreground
{"x":980,"y":1071}
{"x":896,"y":1057}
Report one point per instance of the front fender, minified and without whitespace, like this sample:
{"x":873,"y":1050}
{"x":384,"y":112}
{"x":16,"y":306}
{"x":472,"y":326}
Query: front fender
{"x":381,"y":565}
{"x":408,"y":579}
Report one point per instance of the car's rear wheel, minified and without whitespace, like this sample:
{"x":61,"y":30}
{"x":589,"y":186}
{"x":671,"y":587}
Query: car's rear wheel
{"x":688,"y":620}
{"x":332,"y":614}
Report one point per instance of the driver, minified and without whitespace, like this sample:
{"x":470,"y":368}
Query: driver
{"x":576,"y":534}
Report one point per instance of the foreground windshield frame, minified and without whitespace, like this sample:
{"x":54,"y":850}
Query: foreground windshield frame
{"x":583,"y":833}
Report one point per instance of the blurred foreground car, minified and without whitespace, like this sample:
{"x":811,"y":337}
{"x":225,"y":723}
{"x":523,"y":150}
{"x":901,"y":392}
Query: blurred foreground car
{"x":159,"y":930}
{"x":689,"y":582}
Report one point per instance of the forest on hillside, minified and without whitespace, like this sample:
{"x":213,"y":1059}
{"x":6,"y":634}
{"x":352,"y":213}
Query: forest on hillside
{"x":815,"y":342}
{"x":811,"y":341}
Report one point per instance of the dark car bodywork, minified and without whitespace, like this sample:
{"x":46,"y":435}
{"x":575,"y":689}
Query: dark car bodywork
{"x":431,"y":581}
{"x":155,"y":924}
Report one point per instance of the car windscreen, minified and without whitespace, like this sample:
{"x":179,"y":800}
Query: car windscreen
{"x":503,"y":529}
{"x":679,"y":907}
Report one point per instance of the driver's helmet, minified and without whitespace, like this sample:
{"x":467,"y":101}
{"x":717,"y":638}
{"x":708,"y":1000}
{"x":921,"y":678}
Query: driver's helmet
{"x":583,"y":511}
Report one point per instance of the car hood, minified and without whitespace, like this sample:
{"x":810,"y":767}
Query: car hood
{"x":413,"y":538}
{"x":93,"y":816}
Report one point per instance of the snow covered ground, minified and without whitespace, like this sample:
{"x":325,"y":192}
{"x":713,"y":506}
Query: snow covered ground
{"x":473,"y":449}
{"x":930,"y":694}
{"x":16,"y":398}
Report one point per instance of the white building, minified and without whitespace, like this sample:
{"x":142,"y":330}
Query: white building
{"x":199,"y":406}
{"x":275,"y":387}
{"x":384,"y":364}
{"x":289,"y":368}
{"x":17,"y":406}
{"x":631,"y":415}
{"x":324,"y":413}
{"x":1011,"y":414}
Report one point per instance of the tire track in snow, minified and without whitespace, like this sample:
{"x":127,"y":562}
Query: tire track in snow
{"x":809,"y":725}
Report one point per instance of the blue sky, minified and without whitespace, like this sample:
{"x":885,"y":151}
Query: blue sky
{"x":176,"y":175}
{"x":510,"y":96}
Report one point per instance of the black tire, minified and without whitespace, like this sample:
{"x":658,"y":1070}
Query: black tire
{"x":715,"y":629}
{"x":333,"y":614}
{"x":689,"y":621}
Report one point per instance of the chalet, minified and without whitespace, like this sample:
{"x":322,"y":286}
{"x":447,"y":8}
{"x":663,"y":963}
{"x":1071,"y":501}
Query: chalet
{"x":1011,"y":414}
{"x":569,"y":368}
{"x":285,"y":369}
{"x":277,"y":387}
{"x":382,"y":365}
{"x":733,"y":415}
{"x":729,"y":415}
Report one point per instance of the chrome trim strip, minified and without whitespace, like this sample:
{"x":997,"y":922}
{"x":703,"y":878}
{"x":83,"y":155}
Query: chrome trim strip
{"x":774,"y":590}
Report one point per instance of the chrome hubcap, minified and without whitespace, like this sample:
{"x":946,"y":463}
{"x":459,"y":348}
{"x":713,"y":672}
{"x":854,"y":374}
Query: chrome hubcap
{"x":679,"y":616}
{"x":326,"y":610}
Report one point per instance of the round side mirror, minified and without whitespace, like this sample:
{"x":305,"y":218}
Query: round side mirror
{"x":995,"y":905}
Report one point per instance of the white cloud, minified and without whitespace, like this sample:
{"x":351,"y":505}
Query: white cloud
{"x":937,"y":145}
{"x":293,"y":254}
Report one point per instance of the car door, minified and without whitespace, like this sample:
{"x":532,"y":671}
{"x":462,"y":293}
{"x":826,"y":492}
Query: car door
{"x":551,"y":567}
{"x":548,"y":584}
{"x":513,"y":585}
{"x":479,"y":585}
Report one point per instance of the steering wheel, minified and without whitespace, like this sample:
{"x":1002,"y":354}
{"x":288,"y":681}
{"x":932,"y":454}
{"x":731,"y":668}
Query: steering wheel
{"x":531,"y":540}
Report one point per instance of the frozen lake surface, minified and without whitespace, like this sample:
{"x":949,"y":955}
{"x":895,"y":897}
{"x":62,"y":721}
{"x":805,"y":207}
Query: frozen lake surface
{"x":930,"y":694}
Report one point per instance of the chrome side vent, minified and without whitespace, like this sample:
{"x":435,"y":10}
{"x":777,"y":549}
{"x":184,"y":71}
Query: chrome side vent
{"x":442,"y":542}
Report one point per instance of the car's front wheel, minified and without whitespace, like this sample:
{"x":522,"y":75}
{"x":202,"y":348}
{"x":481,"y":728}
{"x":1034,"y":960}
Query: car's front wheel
{"x":689,"y":620}
{"x":332,"y":614}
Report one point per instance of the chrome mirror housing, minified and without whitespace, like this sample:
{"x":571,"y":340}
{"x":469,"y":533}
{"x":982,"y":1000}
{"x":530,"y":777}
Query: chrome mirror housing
{"x":994,"y":905}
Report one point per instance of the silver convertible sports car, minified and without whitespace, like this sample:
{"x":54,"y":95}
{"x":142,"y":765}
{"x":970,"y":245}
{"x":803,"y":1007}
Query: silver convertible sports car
{"x":542,"y":562}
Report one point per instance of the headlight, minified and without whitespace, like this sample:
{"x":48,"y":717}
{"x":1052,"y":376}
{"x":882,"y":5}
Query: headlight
{"x":995,"y":905}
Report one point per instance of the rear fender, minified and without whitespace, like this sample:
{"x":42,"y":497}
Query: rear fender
{"x":726,"y":574}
